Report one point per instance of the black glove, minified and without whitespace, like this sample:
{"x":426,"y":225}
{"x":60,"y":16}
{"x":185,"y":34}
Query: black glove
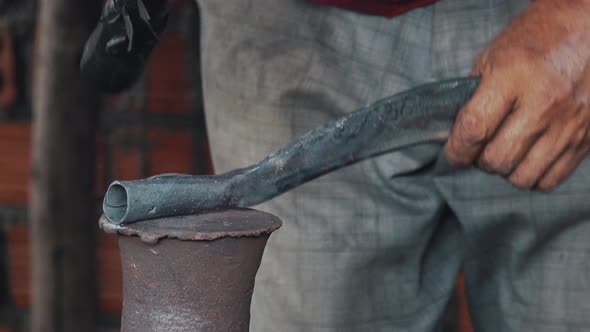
{"x":116,"y":52}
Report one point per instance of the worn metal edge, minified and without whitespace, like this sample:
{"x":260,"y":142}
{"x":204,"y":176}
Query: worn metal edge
{"x":274,"y":223}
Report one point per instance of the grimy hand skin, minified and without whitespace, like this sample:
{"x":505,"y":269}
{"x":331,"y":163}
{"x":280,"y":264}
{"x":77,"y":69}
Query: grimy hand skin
{"x":529,"y":119}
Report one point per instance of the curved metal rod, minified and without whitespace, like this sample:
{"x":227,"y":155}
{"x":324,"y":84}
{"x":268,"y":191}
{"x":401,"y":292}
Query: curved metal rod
{"x":421,"y":115}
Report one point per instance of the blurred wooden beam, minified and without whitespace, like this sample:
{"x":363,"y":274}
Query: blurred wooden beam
{"x":63,"y":172}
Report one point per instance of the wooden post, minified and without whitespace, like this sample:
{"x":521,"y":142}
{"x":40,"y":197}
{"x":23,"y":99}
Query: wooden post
{"x":63,"y":174}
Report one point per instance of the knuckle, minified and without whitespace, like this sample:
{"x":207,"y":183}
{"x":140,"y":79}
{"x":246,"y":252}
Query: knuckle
{"x":502,"y":156}
{"x":576,"y":131}
{"x":453,"y":154}
{"x":583,"y":98}
{"x":503,"y":168}
{"x":490,"y":162}
{"x":526,"y":57}
{"x":472,"y":131}
{"x":554,"y":94}
{"x":582,"y":111}
{"x":579,"y":137}
{"x":530,"y":134}
{"x":552,"y":99}
{"x":485,"y":165}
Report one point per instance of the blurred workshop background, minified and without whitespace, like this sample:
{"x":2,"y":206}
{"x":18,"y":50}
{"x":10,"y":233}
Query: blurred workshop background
{"x":157,"y":127}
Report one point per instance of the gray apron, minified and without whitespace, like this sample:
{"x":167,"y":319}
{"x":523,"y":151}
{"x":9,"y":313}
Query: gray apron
{"x":377,"y":246}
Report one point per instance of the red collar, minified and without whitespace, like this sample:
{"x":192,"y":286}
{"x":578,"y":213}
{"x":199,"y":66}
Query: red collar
{"x":387,"y":8}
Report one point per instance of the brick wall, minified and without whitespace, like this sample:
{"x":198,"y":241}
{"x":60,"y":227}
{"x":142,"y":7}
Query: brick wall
{"x":157,"y":127}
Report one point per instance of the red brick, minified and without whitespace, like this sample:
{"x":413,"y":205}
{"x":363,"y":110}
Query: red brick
{"x":109,"y":280}
{"x":19,"y":265}
{"x":168,"y":77}
{"x":8,"y":90}
{"x":14,"y":163}
{"x":110,"y":287}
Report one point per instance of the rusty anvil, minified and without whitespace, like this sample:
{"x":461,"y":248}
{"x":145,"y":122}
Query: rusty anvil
{"x":424,"y":114}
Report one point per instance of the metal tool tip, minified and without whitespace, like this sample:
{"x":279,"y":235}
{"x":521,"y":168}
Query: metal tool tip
{"x":115,"y":204}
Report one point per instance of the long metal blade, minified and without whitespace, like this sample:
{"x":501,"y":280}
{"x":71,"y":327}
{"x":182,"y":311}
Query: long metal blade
{"x":421,"y":115}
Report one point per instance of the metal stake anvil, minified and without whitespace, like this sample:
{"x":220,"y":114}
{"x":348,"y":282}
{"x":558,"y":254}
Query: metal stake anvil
{"x":191,"y":273}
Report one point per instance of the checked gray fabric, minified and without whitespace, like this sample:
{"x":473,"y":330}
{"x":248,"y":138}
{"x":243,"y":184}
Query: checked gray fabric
{"x":377,"y":246}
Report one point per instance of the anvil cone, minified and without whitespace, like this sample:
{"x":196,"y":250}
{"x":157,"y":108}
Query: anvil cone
{"x":191,"y":273}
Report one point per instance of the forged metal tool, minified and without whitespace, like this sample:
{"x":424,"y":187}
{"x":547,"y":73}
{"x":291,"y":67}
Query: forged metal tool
{"x":421,"y":115}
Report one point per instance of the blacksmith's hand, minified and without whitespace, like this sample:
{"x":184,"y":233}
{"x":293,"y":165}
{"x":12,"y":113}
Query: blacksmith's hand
{"x":530,"y":117}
